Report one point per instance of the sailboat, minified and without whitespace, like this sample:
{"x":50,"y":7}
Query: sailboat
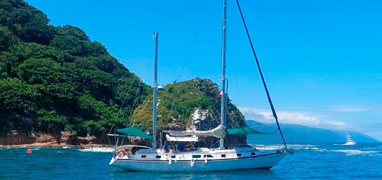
{"x":181,"y":159}
{"x":349,"y":141}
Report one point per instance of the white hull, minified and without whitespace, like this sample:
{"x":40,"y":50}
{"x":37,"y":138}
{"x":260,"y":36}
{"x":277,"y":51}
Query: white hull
{"x":264,"y":161}
{"x":349,"y":143}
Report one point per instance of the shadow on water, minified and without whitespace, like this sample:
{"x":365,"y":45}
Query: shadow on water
{"x":238,"y":174}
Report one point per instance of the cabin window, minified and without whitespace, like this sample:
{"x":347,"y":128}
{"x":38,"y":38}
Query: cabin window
{"x":158,"y":157}
{"x":196,"y":156}
{"x":143,"y":156}
{"x":208,"y":155}
{"x":252,"y":153}
{"x":223,"y":155}
{"x":173,"y":156}
{"x":238,"y":155}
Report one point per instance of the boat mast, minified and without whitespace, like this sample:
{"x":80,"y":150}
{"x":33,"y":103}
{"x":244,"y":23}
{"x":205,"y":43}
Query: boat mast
{"x":155,"y":86}
{"x":223,"y":79}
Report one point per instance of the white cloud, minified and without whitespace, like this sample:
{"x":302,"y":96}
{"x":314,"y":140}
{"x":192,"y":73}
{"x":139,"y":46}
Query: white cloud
{"x":349,"y":109}
{"x":292,"y":117}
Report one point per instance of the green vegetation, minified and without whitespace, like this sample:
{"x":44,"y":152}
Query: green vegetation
{"x":55,"y":78}
{"x":179,"y":101}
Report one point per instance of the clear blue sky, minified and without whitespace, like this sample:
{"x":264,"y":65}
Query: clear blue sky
{"x":322,"y":59}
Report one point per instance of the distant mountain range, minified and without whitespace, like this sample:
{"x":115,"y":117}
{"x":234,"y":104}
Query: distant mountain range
{"x":297,"y":134}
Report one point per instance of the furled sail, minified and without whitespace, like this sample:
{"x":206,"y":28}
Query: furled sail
{"x":218,"y":132}
{"x":182,"y":138}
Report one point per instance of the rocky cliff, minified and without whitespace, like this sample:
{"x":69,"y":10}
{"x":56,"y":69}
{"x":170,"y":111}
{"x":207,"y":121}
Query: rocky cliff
{"x":191,"y":104}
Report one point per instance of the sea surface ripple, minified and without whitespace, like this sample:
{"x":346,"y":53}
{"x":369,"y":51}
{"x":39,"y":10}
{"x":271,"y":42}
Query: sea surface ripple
{"x":362,"y":161}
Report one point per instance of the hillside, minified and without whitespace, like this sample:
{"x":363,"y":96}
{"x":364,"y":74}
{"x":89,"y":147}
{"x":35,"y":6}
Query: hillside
{"x":55,"y":78}
{"x":191,"y":104}
{"x":179,"y":101}
{"x":296,"y":134}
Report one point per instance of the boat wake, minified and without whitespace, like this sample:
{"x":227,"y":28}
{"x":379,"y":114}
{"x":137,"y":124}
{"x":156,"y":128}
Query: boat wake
{"x":267,"y":147}
{"x":97,"y":149}
{"x":351,"y":152}
{"x":290,"y":146}
{"x":374,"y":151}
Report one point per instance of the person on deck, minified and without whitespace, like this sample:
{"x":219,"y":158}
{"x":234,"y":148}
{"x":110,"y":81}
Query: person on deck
{"x":165,"y":147}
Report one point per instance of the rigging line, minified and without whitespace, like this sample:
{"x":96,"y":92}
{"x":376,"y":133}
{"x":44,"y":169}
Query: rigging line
{"x":191,"y":49}
{"x":143,"y":108}
{"x":123,"y":102}
{"x":234,"y":52}
{"x":195,"y":40}
{"x":277,"y":139}
{"x":136,"y":94}
{"x":261,"y":75}
{"x":127,"y":91}
{"x":134,"y":76}
{"x":124,"y":99}
{"x":139,"y":90}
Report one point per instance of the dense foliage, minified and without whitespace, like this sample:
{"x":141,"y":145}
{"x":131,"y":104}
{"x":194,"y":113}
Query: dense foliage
{"x":56,"y":78}
{"x":179,"y":100}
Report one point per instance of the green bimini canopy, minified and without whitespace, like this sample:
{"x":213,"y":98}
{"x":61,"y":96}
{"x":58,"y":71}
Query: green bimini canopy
{"x":134,"y":131}
{"x":243,"y":131}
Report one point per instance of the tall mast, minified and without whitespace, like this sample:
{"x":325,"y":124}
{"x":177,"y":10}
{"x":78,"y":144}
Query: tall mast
{"x":155,"y":86}
{"x":223,"y":79}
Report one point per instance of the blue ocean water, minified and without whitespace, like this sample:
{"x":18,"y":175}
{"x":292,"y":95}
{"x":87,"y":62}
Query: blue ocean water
{"x":362,"y":161}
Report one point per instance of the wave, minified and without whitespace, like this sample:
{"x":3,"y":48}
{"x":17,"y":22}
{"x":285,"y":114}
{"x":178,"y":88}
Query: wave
{"x":290,"y":146}
{"x":267,"y":147}
{"x":350,"y":152}
{"x":97,"y":149}
{"x":304,"y":147}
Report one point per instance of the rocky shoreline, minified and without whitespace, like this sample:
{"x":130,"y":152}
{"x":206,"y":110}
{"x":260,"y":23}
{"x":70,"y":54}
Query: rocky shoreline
{"x":46,"y":140}
{"x":54,"y":145}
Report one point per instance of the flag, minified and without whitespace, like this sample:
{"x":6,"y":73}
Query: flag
{"x":220,"y":94}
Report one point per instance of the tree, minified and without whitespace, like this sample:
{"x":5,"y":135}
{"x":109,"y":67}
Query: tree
{"x":51,"y":122}
{"x":28,"y":23}
{"x":18,"y":105}
{"x":74,"y":41}
{"x":40,"y":71}
{"x":56,"y":78}
{"x":7,"y":38}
